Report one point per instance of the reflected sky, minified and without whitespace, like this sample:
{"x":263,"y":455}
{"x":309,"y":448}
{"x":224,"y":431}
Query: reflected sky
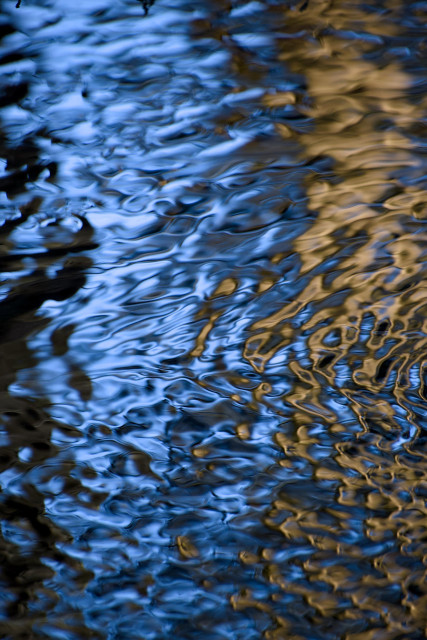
{"x":213,"y":320}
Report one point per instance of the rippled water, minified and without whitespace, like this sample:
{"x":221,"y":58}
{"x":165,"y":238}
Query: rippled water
{"x":213,"y":320}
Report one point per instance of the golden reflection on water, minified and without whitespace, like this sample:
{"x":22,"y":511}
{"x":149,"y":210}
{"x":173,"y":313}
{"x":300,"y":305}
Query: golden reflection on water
{"x":363,"y":300}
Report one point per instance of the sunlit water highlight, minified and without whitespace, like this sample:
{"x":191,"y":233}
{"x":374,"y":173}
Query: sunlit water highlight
{"x":213,"y":320}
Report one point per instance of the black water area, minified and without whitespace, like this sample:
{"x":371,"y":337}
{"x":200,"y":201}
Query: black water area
{"x":213,"y":417}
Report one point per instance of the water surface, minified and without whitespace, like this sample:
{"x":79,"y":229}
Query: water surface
{"x":213,"y":320}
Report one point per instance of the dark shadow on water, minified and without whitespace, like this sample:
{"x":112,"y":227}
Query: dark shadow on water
{"x":29,"y":538}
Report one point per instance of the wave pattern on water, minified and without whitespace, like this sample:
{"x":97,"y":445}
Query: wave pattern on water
{"x":213,"y":320}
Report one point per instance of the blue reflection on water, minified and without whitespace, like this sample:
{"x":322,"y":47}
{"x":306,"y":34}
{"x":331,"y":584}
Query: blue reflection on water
{"x":212,"y":322}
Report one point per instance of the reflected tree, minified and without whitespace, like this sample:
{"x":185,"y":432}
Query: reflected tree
{"x":28,"y":457}
{"x":146,"y":4}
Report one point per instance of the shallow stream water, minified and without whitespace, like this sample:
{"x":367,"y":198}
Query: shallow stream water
{"x":213,"y":320}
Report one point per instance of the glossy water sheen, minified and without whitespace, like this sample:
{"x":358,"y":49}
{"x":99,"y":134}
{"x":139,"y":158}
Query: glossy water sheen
{"x":213,"y":320}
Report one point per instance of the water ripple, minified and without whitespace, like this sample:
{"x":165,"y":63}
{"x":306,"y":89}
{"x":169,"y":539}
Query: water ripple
{"x":213,"y":320}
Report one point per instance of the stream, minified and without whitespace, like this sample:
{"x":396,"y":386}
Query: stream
{"x":213,"y":320}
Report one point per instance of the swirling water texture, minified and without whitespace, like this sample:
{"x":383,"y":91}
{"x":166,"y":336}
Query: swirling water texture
{"x":213,"y":320}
